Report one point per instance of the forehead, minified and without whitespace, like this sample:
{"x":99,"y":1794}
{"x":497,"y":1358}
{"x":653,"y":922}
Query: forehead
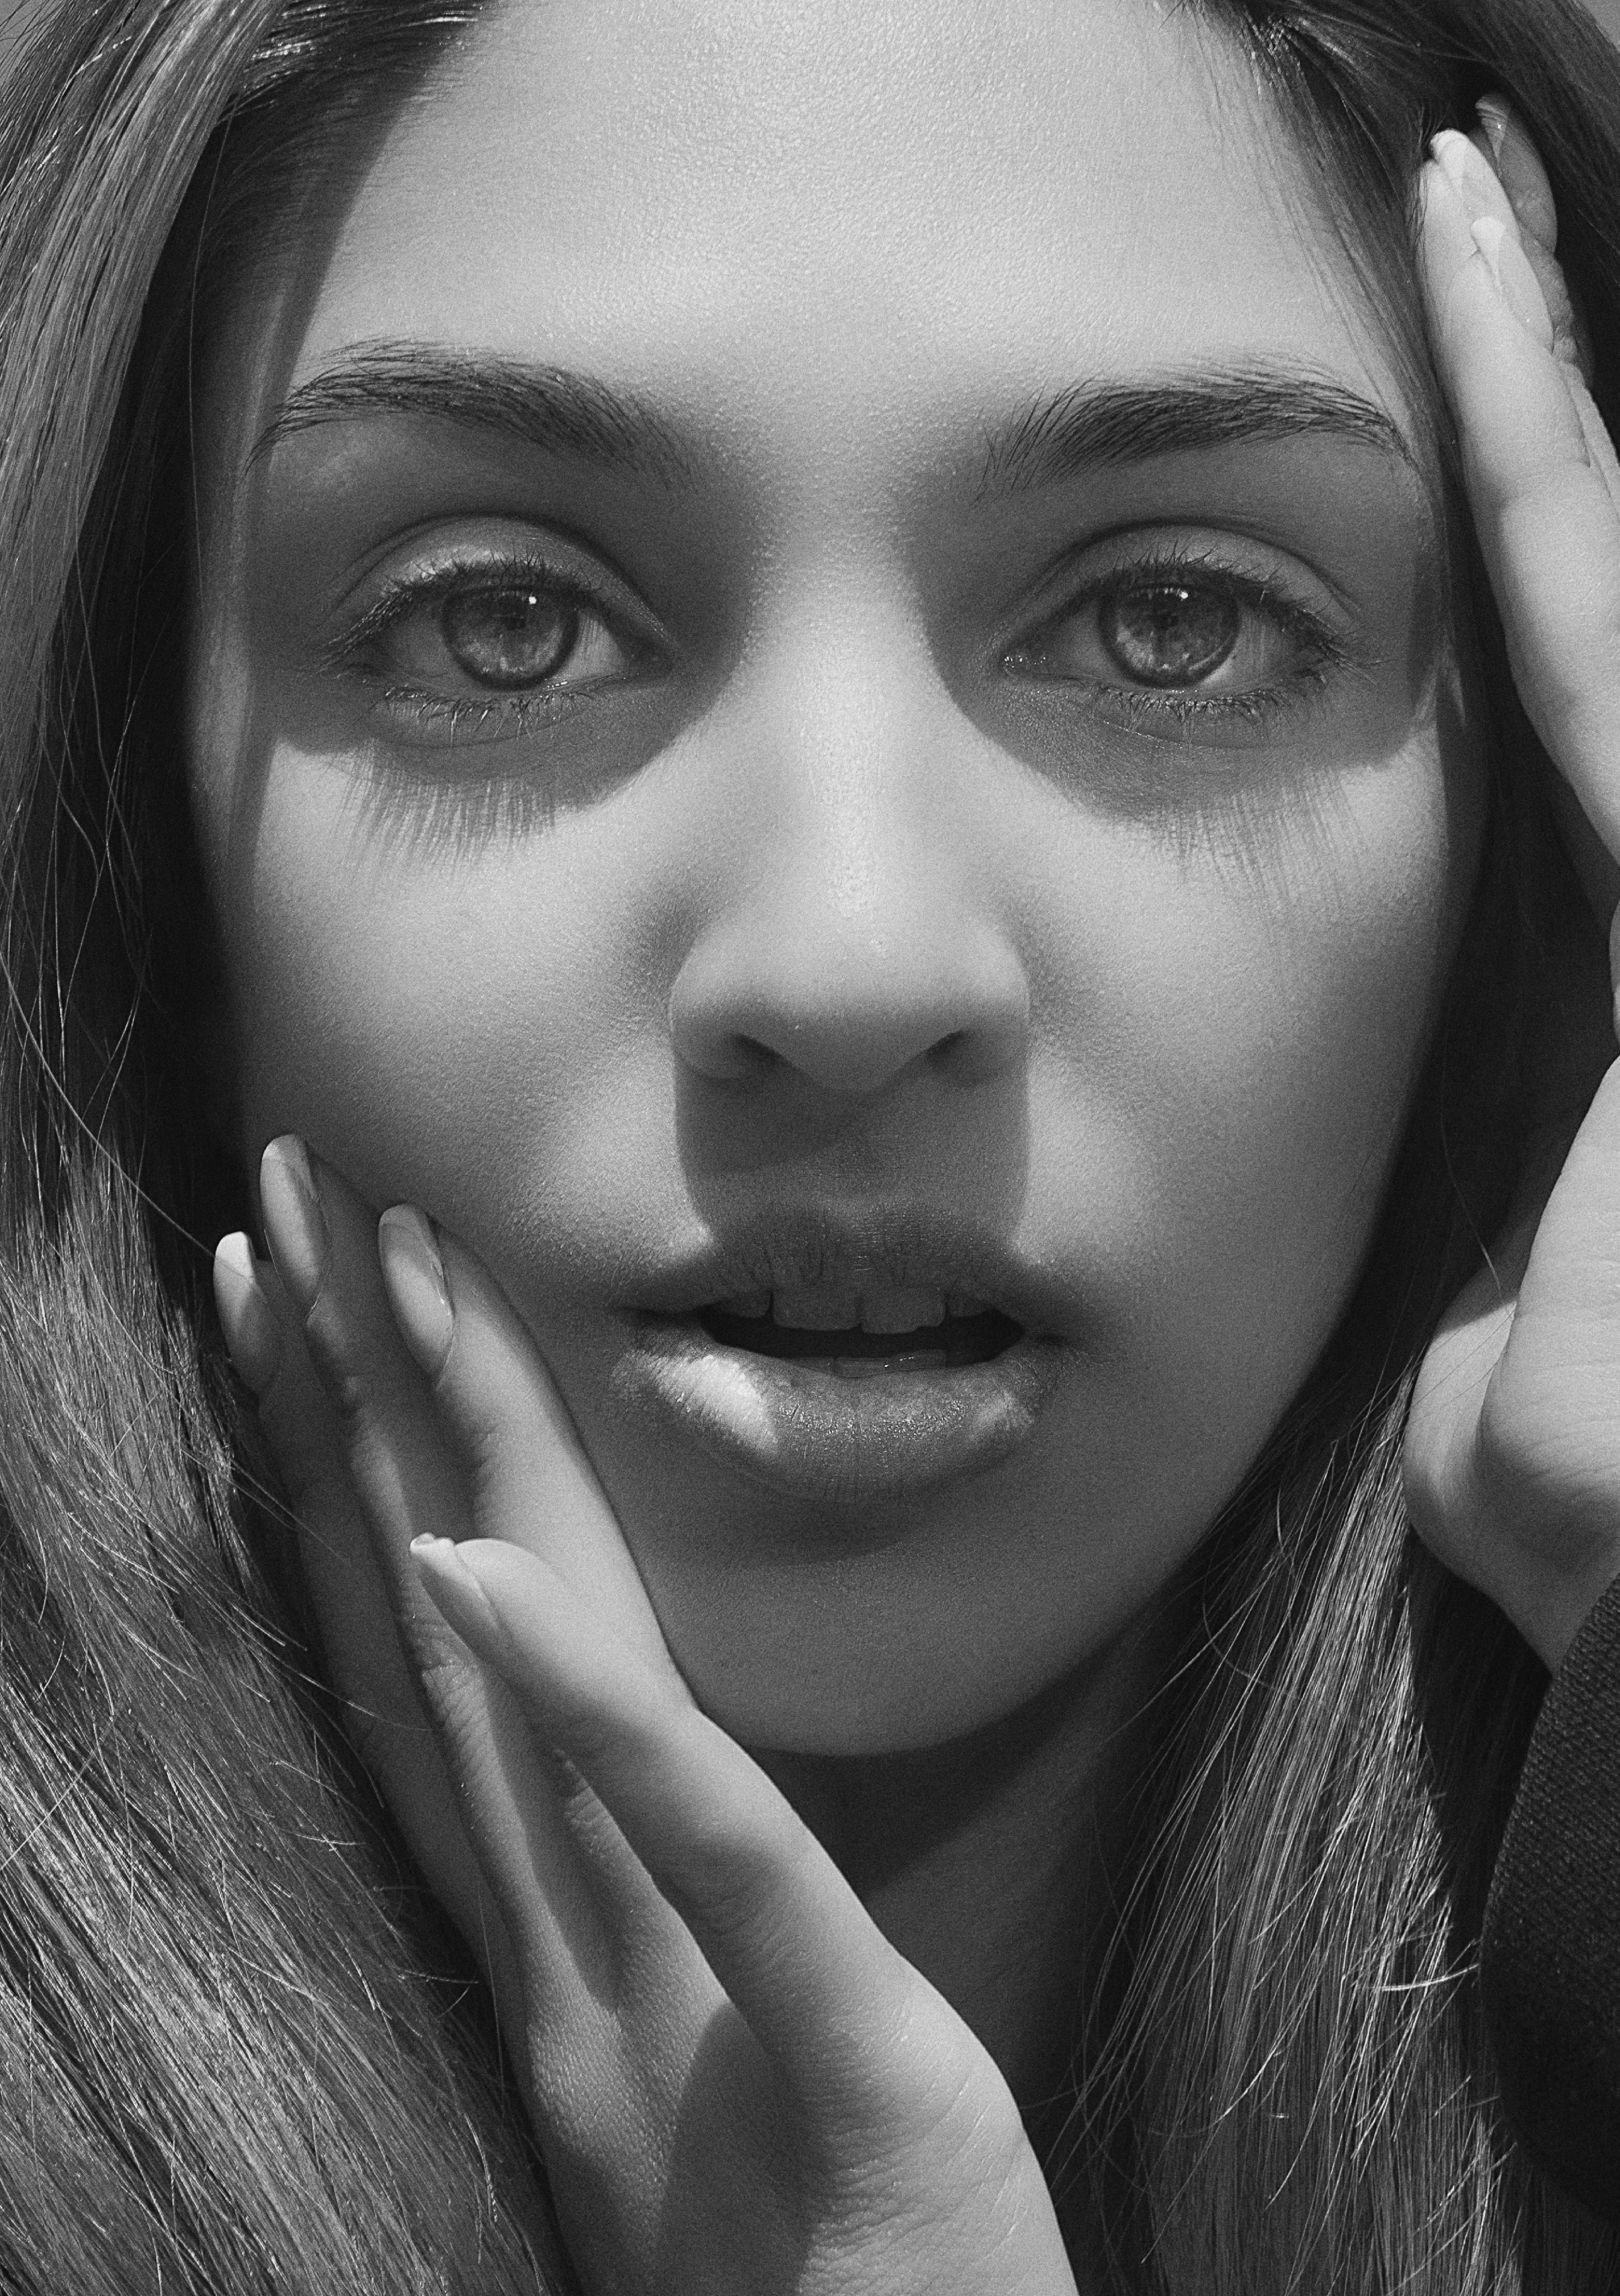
{"x":829,"y":201}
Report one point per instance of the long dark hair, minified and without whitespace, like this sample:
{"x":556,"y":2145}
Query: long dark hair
{"x":1283,"y":2081}
{"x":240,"y":2049}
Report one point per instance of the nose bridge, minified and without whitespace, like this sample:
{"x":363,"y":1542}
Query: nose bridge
{"x":847,"y":773}
{"x":856,"y":933}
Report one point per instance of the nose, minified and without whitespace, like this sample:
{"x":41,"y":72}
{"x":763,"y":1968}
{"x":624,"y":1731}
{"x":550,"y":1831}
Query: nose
{"x":794,"y":987}
{"x":853,"y":935}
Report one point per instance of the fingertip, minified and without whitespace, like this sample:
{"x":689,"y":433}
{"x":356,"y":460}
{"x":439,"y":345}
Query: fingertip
{"x":251,"y":1333}
{"x":418,"y":1293}
{"x":458,"y":1595}
{"x":1518,"y":165}
{"x":1443,"y":152}
{"x":295,"y":1224}
{"x":234,"y":1260}
{"x":1446,"y":237}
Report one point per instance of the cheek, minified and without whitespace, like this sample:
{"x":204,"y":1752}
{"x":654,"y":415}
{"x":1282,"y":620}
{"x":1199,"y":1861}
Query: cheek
{"x":1226,"y":1037}
{"x":443,"y":1025}
{"x":1268,"y":1013}
{"x":1226,"y":1041}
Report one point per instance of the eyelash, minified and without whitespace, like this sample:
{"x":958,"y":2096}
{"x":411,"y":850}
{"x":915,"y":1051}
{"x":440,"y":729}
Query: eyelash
{"x":1323,"y":651}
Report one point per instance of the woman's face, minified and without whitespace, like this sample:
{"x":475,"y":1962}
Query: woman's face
{"x":819,"y":728}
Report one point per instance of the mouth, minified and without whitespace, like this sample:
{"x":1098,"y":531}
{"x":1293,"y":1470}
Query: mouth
{"x":868,"y":1336}
{"x":851,"y":1368}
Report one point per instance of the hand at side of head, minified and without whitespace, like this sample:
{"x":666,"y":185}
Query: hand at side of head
{"x":1513,"y":1450}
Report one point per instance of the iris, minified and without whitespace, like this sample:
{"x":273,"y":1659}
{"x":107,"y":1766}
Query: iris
{"x":1169,"y":634}
{"x":509,"y":637}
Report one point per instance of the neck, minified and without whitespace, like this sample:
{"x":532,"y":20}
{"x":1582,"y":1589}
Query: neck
{"x":984,"y":1861}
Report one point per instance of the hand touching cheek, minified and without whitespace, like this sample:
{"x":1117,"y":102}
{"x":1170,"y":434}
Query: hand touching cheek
{"x":739,"y":2085}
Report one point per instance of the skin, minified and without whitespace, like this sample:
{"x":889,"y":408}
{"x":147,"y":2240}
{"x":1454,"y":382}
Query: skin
{"x":874,"y":892}
{"x":1196,"y":975}
{"x":1186,"y":982}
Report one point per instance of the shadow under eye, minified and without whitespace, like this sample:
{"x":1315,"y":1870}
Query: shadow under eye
{"x":445,"y":779}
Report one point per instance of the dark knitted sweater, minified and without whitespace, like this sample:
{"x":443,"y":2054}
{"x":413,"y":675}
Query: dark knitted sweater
{"x":1551,"y":1954}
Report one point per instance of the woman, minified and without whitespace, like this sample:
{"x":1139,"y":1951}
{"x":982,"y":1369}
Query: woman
{"x":819,"y":705}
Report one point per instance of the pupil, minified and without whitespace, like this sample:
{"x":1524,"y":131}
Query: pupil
{"x":1169,"y":635}
{"x":509,"y":637}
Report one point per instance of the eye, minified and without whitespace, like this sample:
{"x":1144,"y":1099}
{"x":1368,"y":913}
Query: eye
{"x":511,"y":636}
{"x":1169,"y":634}
{"x":487,"y":631}
{"x":1178,"y":634}
{"x":472,"y":637}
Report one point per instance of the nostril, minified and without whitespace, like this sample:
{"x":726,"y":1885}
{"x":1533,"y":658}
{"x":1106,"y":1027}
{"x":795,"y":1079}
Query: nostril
{"x":848,"y":1017}
{"x":752,"y":1058}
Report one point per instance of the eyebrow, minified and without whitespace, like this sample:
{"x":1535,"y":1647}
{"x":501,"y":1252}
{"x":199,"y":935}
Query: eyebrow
{"x":551,"y":408}
{"x":1090,"y":425}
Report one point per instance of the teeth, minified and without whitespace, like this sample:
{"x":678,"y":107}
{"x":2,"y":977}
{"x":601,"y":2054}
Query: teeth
{"x":877,"y":1308}
{"x":900,"y":1308}
{"x":817,"y":1311}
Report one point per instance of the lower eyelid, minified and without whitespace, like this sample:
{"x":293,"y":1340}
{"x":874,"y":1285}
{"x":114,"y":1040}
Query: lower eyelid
{"x":500,"y":718}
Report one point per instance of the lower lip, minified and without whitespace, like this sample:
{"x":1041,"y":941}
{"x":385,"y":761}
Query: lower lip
{"x":892,"y":1429}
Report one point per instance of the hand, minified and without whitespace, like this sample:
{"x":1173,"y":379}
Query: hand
{"x":737,"y":2083}
{"x":1513,"y":1447}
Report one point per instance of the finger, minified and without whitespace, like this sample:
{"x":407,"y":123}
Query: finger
{"x":246,"y":1317}
{"x":534,"y":1486}
{"x":382,"y":1708}
{"x":1518,"y":169}
{"x":777,"y":1923}
{"x":1539,"y":479}
{"x":1510,"y":1468}
{"x":1507,"y":143}
{"x":262,"y":1332}
{"x":320,"y":1235}
{"x":1443,"y":1422}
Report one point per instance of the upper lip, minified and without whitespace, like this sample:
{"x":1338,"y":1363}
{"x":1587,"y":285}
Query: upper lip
{"x":802,"y":1249}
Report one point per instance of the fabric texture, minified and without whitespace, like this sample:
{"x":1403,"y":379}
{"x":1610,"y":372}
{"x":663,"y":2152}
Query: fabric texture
{"x":1550,"y":1962}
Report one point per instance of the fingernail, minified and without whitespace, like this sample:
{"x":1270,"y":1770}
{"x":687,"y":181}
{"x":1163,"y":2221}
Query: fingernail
{"x":1516,"y":283}
{"x":251,"y":1332}
{"x":456,"y":1592}
{"x":1470,"y":176}
{"x":1493,"y":119}
{"x":294,"y":1222}
{"x":415,"y":1277}
{"x":1519,"y":164}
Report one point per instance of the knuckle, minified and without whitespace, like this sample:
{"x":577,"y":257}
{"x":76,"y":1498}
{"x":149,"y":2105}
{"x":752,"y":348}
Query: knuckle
{"x":449,"y":1689}
{"x":346,"y":1377}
